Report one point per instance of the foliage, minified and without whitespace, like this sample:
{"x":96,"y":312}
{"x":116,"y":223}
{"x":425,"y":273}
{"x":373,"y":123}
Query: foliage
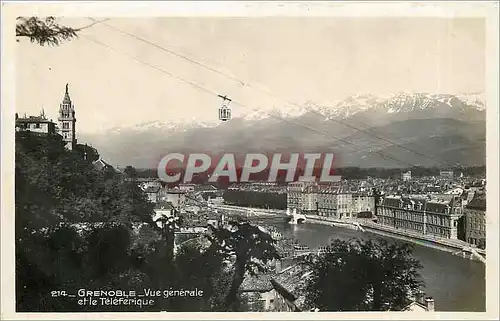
{"x":79,"y":227}
{"x":251,"y":248}
{"x":360,"y":275}
{"x":73,"y":224}
{"x":56,"y":186}
{"x":44,"y":31}
{"x":131,"y":172}
{"x":203,"y":269}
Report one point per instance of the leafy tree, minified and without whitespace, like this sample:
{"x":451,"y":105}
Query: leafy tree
{"x":204,"y":269}
{"x":45,"y":31}
{"x":251,"y":248}
{"x":131,"y":172}
{"x":74,"y":224}
{"x":360,"y":275}
{"x":168,"y":227}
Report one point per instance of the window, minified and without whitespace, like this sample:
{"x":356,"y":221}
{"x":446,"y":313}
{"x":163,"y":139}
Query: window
{"x":65,"y":125}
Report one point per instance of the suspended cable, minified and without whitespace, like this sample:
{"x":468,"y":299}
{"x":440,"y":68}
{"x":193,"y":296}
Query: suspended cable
{"x":369,"y":132}
{"x":334,"y":138}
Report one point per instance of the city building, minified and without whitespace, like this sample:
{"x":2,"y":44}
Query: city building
{"x":67,"y":121}
{"x":327,"y":202}
{"x":187,"y":187}
{"x":150,"y":183}
{"x":162,"y":210}
{"x":475,"y":221}
{"x":344,"y":205}
{"x":100,"y":164}
{"x":205,"y":188}
{"x":308,"y":202}
{"x":259,"y":292}
{"x":284,"y":301}
{"x":295,"y":198}
{"x":421,"y":303}
{"x":406,"y":176}
{"x":153,"y":193}
{"x":36,"y":124}
{"x":446,"y":174}
{"x":176,"y":197}
{"x":215,"y":200}
{"x":362,"y":203}
{"x":435,"y":215}
{"x":66,"y":128}
{"x":287,"y":284}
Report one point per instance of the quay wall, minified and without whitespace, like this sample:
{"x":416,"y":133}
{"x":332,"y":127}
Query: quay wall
{"x":451,"y":246}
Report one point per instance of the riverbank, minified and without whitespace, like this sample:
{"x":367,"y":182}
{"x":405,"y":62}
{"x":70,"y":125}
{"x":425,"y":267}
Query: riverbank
{"x":457,"y":247}
{"x":446,"y":245}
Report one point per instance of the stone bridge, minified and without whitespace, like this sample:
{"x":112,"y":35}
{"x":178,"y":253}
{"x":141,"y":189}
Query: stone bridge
{"x":296,"y":218}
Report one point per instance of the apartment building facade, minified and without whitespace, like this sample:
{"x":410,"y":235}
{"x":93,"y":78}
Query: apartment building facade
{"x":475,"y":221}
{"x":437,"y":215}
{"x":328,"y":201}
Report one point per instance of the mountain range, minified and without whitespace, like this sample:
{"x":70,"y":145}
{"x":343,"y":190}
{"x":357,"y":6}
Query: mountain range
{"x":402,"y":130}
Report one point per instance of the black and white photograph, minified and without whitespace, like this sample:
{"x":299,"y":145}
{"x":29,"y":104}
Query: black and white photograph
{"x":165,"y":161}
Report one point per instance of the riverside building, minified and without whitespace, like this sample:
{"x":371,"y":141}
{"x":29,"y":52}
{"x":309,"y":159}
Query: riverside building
{"x":437,"y":215}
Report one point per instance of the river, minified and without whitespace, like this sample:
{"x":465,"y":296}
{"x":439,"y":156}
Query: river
{"x":456,"y":284}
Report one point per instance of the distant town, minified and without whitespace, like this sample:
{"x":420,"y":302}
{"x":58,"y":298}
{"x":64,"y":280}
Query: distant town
{"x":446,"y":208}
{"x":346,"y":177}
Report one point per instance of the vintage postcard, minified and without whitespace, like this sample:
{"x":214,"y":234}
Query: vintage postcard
{"x":249,"y":160}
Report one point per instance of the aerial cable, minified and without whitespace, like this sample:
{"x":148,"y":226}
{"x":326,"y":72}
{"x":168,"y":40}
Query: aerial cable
{"x":368,"y":132}
{"x":334,"y":138}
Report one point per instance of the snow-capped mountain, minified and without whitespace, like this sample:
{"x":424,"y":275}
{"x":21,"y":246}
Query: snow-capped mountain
{"x":474,"y":99}
{"x":398,"y":103}
{"x":288,"y":112}
{"x":356,"y":105}
{"x":447,"y":127}
{"x":176,"y":125}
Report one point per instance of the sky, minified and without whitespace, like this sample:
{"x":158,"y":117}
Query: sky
{"x":117,"y":80}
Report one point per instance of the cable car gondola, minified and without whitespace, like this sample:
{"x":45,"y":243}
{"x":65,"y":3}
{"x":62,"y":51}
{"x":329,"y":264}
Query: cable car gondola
{"x":224,"y":110}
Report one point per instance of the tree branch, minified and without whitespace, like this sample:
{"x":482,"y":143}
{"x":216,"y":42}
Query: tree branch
{"x":44,"y":32}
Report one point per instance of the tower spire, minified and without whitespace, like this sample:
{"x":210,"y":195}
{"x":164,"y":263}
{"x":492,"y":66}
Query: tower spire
{"x":66,"y":99}
{"x":67,"y":120}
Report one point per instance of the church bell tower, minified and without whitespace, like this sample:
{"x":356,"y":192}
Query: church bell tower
{"x":67,"y":121}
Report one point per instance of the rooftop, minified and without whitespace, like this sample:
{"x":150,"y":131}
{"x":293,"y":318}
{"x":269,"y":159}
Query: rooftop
{"x":101,"y":164}
{"x":34,"y":119}
{"x":175,"y":191}
{"x":477,"y":203}
{"x":434,"y":203}
{"x":259,"y":283}
{"x":152,"y":189}
{"x":163,"y":205}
